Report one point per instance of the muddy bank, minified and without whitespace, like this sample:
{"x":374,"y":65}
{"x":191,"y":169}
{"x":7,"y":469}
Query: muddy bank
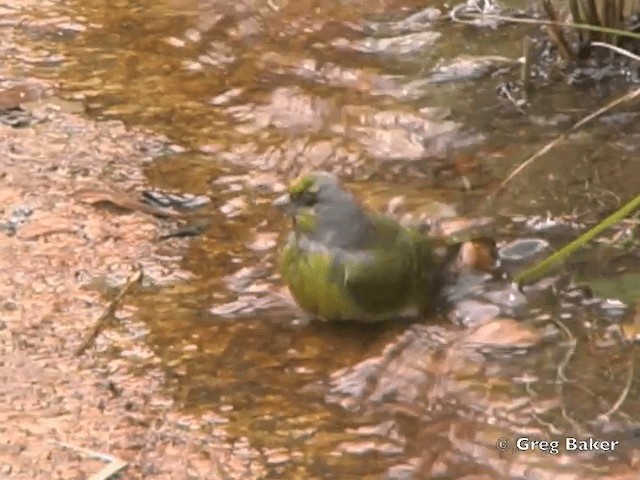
{"x":60,"y":263}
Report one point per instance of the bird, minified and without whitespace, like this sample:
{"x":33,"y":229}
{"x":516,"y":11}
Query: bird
{"x":342,"y":262}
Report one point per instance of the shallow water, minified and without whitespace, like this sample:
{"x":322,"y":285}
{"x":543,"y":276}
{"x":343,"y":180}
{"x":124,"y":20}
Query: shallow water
{"x":254,"y":92}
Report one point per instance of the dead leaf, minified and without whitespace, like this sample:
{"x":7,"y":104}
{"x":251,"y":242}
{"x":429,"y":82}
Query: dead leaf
{"x":631,"y":331}
{"x":478,"y":254}
{"x":122,"y":200}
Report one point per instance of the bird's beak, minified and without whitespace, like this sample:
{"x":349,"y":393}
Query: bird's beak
{"x":283,"y":202}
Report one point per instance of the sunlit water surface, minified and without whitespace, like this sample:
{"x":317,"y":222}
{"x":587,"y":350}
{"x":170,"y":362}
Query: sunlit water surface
{"x":255,"y":92}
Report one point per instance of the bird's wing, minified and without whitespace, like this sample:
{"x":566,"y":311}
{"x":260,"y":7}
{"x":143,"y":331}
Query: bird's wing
{"x":382,"y":282}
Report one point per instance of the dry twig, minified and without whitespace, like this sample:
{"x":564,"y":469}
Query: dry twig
{"x":571,"y":350}
{"x":532,"y":394}
{"x":114,"y":464}
{"x":622,"y":51}
{"x":618,"y":101}
{"x":525,"y":72}
{"x":555,"y":33}
{"x":134,"y":278}
{"x":623,"y":395}
{"x":561,"y":378}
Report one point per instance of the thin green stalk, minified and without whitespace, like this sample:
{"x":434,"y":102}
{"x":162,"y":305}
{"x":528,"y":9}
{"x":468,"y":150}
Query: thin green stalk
{"x":541,"y":268}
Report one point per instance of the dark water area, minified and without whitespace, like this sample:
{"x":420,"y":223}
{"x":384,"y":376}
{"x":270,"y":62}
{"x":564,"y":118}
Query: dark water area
{"x":254,"y":92}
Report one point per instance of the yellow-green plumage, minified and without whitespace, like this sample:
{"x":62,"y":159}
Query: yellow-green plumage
{"x":343,"y":263}
{"x":308,"y":277}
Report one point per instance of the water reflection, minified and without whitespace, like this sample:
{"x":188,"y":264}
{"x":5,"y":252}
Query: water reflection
{"x":256,"y":91}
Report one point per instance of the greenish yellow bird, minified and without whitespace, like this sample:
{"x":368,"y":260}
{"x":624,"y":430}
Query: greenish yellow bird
{"x":342,"y":262}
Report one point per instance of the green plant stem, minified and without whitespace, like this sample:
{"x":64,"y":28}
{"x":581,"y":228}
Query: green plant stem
{"x":541,"y":268}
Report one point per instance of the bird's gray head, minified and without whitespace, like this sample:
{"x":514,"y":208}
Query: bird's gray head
{"x":323,"y":211}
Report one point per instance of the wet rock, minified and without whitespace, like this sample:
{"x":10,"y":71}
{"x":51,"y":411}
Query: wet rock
{"x":242,"y":279}
{"x":424,"y":377}
{"x":368,"y":381}
{"x":418,"y":21}
{"x":397,"y":135}
{"x":524,"y":250}
{"x":460,"y":228}
{"x":466,"y":68}
{"x":193,"y":35}
{"x":419,"y":212}
{"x":613,"y":308}
{"x":253,"y":295}
{"x":503,"y":333}
{"x":264,"y":183}
{"x":553,"y":225}
{"x":218,"y":55}
{"x":472,"y":312}
{"x":157,"y":147}
{"x":277,"y":456}
{"x":369,"y":447}
{"x":175,"y":42}
{"x":402,"y":472}
{"x":474,"y":295}
{"x":556,"y":120}
{"x":546,"y":290}
{"x":234,"y":207}
{"x":508,"y":298}
{"x":13,"y":97}
{"x":288,"y":109}
{"x":226,"y":97}
{"x":296,"y":155}
{"x":337,"y":75}
{"x":396,"y":45}
{"x":263,"y":241}
{"x":477,"y":8}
